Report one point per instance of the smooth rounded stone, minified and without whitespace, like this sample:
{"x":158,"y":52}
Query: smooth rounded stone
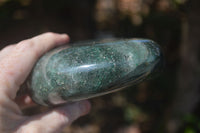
{"x":72,"y":73}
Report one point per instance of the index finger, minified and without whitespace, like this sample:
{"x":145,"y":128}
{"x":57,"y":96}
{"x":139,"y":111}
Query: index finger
{"x":16,"y":66}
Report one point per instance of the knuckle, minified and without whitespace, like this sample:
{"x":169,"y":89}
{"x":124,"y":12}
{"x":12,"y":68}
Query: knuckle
{"x":28,"y":45}
{"x":50,"y":34}
{"x":24,"y":45}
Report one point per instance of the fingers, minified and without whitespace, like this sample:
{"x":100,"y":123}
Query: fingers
{"x":16,"y":67}
{"x":55,"y":120}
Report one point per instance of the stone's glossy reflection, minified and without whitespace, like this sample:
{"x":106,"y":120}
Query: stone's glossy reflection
{"x":80,"y":72}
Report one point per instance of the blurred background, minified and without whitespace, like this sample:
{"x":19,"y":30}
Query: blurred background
{"x":167,"y":104}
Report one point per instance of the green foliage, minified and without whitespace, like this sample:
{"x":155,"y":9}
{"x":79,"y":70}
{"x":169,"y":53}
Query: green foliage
{"x":134,"y":114}
{"x":191,"y":124}
{"x":189,"y":130}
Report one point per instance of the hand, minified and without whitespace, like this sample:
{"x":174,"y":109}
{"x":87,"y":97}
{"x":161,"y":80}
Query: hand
{"x":16,"y":62}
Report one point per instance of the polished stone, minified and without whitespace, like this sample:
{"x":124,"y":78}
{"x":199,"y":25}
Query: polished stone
{"x":72,"y":73}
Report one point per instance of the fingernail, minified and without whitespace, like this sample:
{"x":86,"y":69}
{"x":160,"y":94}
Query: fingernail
{"x":85,"y":106}
{"x":64,"y":35}
{"x":65,"y":38}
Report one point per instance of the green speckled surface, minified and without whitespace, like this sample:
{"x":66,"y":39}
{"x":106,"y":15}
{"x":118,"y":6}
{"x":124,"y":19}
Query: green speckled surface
{"x":80,"y":72}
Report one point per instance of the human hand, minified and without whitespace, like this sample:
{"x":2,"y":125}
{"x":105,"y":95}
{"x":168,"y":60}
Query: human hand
{"x":16,"y":62}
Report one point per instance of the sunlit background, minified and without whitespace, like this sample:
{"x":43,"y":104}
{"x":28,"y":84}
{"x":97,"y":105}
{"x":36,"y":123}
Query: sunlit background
{"x":166,"y":104}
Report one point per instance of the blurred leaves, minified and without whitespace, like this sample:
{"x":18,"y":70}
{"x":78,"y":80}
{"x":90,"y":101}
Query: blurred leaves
{"x":134,"y":114}
{"x":3,"y":1}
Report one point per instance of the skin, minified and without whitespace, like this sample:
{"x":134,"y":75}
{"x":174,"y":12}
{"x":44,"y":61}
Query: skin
{"x":16,"y":62}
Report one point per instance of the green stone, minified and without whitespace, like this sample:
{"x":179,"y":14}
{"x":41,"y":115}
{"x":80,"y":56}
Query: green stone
{"x":77,"y":72}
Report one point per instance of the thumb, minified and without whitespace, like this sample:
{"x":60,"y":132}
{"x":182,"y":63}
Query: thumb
{"x":55,"y":120}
